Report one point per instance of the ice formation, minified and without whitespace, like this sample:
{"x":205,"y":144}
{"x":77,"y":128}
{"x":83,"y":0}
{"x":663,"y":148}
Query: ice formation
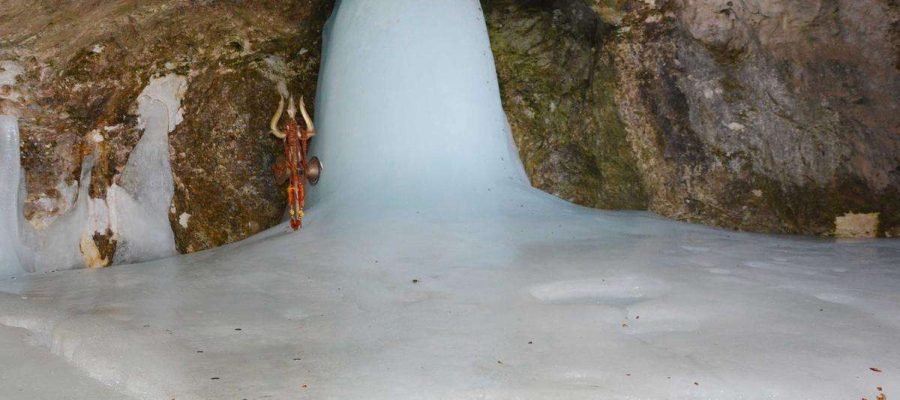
{"x":10,"y":174}
{"x":135,"y":212}
{"x":412,"y":120}
{"x":59,"y":245}
{"x":427,"y":268}
{"x":23,"y":249}
{"x":139,"y":204}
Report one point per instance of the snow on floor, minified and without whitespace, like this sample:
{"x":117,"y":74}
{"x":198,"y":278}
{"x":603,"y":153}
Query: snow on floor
{"x":427,"y":269}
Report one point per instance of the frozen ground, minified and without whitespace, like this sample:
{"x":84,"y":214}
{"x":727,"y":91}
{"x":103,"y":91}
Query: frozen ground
{"x":428,"y":269}
{"x":33,"y":369}
{"x":542,"y":301}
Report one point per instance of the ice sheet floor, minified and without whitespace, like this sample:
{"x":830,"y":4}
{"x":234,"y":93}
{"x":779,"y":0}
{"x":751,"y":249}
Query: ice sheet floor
{"x":542,"y":300}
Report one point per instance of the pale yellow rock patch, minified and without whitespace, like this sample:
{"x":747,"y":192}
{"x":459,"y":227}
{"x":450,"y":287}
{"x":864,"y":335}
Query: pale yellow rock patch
{"x":91,"y":253}
{"x":856,"y":226}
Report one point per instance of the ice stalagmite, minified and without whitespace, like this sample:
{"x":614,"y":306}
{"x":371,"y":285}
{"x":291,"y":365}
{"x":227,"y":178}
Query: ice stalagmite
{"x":10,"y":173}
{"x":139,"y":204}
{"x":409,"y":108}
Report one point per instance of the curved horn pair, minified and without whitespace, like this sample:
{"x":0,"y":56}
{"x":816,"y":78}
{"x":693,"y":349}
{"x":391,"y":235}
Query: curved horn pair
{"x":292,"y":111}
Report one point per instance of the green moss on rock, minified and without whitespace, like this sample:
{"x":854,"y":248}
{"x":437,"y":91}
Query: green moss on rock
{"x":558,"y":91}
{"x":703,"y":113}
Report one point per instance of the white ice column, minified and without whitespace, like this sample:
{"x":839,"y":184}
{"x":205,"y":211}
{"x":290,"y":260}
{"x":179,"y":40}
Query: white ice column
{"x":408,"y":107}
{"x":10,"y":174}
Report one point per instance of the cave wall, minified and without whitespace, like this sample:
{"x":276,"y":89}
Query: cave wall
{"x":72,"y":74}
{"x":558,"y":89}
{"x":760,"y":115}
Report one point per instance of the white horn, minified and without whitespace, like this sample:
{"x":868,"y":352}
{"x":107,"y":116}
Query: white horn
{"x":307,"y":119}
{"x":274,"y":124}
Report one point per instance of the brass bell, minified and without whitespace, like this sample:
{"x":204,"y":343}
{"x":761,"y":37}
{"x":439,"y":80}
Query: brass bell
{"x":313,"y":170}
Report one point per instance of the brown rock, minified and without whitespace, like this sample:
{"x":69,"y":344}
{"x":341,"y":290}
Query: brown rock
{"x":762,"y":115}
{"x":856,"y":226}
{"x":558,"y":90}
{"x":84,"y":66}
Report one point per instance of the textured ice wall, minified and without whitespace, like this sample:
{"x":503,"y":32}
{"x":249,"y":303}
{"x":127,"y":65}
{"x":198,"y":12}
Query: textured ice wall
{"x":10,"y":173}
{"x":139,"y":204}
{"x":21,"y":248}
{"x":58,"y":246}
{"x":409,"y":108}
{"x":135,"y":211}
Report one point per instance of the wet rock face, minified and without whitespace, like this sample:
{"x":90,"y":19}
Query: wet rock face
{"x":225,"y":188}
{"x":763,"y":115}
{"x":72,"y":73}
{"x":558,"y":89}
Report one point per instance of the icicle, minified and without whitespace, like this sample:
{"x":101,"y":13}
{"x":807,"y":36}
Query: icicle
{"x":10,"y":175}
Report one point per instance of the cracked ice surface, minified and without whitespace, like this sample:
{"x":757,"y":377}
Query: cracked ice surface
{"x":428,"y":269}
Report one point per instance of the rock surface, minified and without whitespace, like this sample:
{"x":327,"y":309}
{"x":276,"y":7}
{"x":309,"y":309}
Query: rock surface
{"x":559,"y":93}
{"x":72,"y":73}
{"x":761,"y":115}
